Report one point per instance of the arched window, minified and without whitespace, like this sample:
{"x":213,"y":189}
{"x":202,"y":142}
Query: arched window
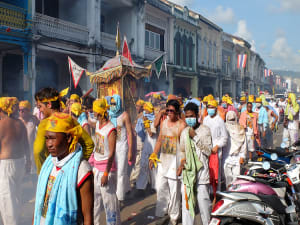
{"x":184,"y":49}
{"x":191,"y":52}
{"x":177,"y":48}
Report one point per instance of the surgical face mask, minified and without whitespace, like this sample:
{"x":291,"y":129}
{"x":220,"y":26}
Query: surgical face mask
{"x":224,"y":105}
{"x":258,"y":105}
{"x":191,"y":121}
{"x":211,"y":112}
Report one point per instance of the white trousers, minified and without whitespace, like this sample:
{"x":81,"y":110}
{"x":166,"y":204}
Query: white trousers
{"x":168,"y":197}
{"x":106,"y":198}
{"x":11,"y":175}
{"x":204,"y":205}
{"x":146,"y":174}
{"x":123,"y":182}
{"x":231,"y":172}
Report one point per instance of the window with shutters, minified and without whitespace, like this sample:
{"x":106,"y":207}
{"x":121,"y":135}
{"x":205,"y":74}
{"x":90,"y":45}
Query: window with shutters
{"x":154,"y":37}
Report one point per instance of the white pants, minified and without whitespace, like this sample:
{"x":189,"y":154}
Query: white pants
{"x":105,"y":197}
{"x":145,"y":173}
{"x":293,"y":137}
{"x":168,"y":197}
{"x":231,"y":172}
{"x":123,"y":182}
{"x":204,"y":205}
{"x":11,"y":175}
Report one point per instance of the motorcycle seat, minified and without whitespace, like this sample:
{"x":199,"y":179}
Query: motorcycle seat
{"x":274,"y":202}
{"x":278,"y":152}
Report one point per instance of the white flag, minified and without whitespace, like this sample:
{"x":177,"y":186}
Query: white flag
{"x":76,"y":71}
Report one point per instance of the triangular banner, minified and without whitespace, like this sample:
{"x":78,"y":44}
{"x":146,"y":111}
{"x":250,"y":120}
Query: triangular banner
{"x":76,"y":71}
{"x":126,"y":51}
{"x":158,"y":64}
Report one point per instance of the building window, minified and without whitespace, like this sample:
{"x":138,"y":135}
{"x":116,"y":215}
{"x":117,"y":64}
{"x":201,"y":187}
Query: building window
{"x":184,"y":50}
{"x":210,"y":54}
{"x":154,"y":37}
{"x":205,"y":52}
{"x":47,"y":7}
{"x":177,"y":48}
{"x":199,"y":51}
{"x":191,"y":52}
{"x":102,"y":24}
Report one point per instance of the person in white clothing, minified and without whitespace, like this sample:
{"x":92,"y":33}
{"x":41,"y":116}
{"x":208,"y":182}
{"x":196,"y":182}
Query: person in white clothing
{"x":149,"y":130}
{"x":201,"y":138}
{"x":235,"y":150}
{"x":121,"y":121}
{"x":167,"y":182}
{"x":219,"y":140}
{"x":104,"y":167}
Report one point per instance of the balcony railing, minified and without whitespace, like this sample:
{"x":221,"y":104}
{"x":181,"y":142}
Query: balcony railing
{"x":12,"y":16}
{"x":60,"y":29}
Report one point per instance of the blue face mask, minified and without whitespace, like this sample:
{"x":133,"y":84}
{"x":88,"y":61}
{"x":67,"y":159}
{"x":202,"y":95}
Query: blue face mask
{"x":191,"y":122}
{"x":224,"y":105}
{"x":211,"y":112}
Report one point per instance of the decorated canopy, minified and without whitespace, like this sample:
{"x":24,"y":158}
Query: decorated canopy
{"x":116,"y":68}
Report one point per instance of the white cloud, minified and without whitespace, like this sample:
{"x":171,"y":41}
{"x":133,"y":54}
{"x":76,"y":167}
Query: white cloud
{"x":243,"y":32}
{"x":183,"y":2}
{"x":290,"y":5}
{"x":222,"y":15}
{"x":283,"y":53}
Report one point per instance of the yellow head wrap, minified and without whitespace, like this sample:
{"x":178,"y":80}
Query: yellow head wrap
{"x":149,"y":107}
{"x":140,"y":102}
{"x":258,"y":99}
{"x":205,"y":99}
{"x":157,"y":96}
{"x":25,"y":104}
{"x":251,"y":98}
{"x":243,"y":98}
{"x":76,"y":109}
{"x":75,"y":97}
{"x":7,"y":103}
{"x":100,"y":106}
{"x":210,"y":97}
{"x":64,"y":123}
{"x":224,"y":98}
{"x":64,"y":92}
{"x":229,"y":101}
{"x":213,"y":103}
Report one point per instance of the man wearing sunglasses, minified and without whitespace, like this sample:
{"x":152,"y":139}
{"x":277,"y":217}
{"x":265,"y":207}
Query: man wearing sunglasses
{"x":168,"y":184}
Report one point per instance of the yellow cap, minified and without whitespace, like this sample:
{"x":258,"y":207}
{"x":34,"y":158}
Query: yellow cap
{"x":25,"y":104}
{"x":64,"y":123}
{"x":213,"y":103}
{"x":229,"y":101}
{"x":243,"y":98}
{"x":76,"y":109}
{"x":210,"y":97}
{"x":251,"y":98}
{"x":224,"y":98}
{"x":157,"y":96}
{"x":205,"y":99}
{"x":75,"y":97}
{"x":140,"y":102}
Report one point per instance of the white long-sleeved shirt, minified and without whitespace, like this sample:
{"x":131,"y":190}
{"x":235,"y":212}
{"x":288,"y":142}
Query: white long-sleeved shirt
{"x":218,"y":130}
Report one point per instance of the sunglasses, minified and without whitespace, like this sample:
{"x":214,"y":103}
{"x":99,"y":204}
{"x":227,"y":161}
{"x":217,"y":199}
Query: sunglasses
{"x":170,"y":111}
{"x":113,"y":103}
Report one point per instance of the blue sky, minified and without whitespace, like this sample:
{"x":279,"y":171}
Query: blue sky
{"x":271,"y":26}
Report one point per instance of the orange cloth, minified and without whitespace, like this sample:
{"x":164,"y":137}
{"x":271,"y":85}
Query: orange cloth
{"x":222,"y":112}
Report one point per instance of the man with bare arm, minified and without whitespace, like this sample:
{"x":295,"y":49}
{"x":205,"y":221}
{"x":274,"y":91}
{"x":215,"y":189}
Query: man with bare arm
{"x":13,"y":148}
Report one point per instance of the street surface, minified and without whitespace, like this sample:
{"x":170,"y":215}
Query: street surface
{"x":137,"y":210}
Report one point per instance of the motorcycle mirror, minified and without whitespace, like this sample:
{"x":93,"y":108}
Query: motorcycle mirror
{"x":266,"y":165}
{"x":274,"y":156}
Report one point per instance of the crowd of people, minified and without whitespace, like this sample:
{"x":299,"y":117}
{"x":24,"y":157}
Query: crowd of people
{"x":89,"y":154}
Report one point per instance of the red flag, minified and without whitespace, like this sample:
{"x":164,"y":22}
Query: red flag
{"x":126,"y":51}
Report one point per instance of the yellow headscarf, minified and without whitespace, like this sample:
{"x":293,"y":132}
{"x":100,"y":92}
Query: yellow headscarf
{"x":64,"y":92}
{"x":140,"y":102}
{"x":205,"y":99}
{"x":229,"y":101}
{"x":294,"y":104}
{"x":258,"y":99}
{"x":100,"y":106}
{"x":224,"y":98}
{"x":210,"y":97}
{"x":25,"y":104}
{"x":157,"y":96}
{"x":213,"y":103}
{"x":75,"y":97}
{"x":243,"y":98}
{"x":7,"y":103}
{"x":64,"y":123}
{"x":251,"y":98}
{"x":76,"y":109}
{"x":149,"y":107}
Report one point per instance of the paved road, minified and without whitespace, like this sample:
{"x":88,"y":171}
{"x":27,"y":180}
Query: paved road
{"x":137,"y":211}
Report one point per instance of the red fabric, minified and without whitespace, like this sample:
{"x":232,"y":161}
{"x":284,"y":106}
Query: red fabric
{"x":126,"y":51}
{"x":84,"y":179}
{"x":214,"y":171}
